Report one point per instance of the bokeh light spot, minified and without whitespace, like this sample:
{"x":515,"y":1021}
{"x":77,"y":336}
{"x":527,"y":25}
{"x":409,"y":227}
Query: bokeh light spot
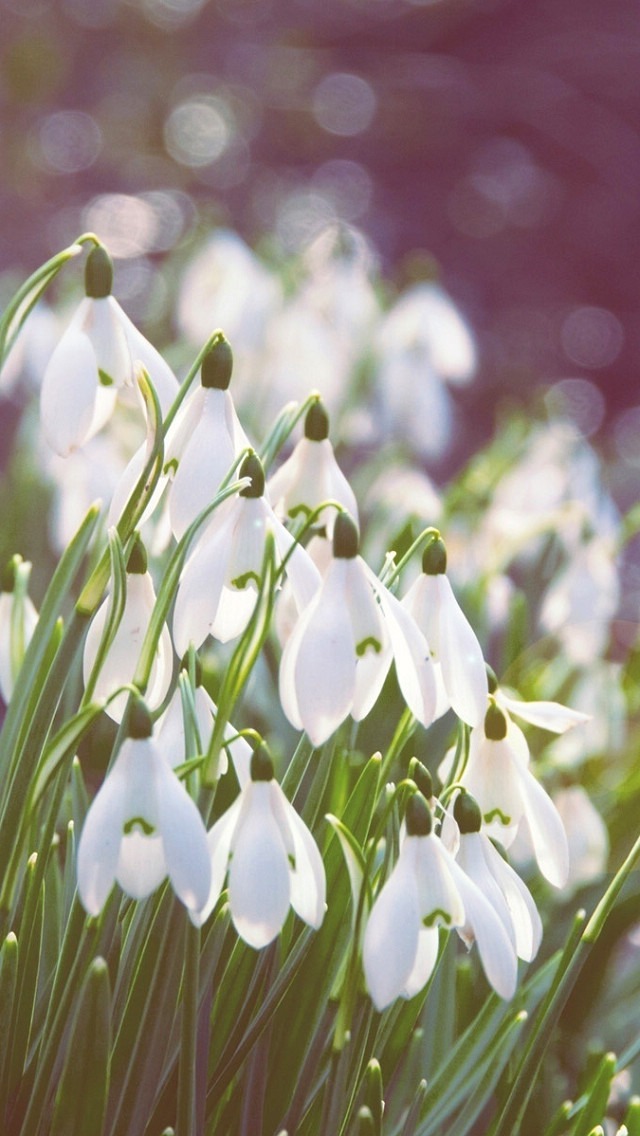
{"x":127,"y":225}
{"x":198,"y":130}
{"x":579,"y":402}
{"x":344,"y":104}
{"x":69,"y":141}
{"x":592,"y":337}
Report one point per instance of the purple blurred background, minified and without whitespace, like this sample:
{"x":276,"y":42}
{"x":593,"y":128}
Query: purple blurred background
{"x":500,"y":136}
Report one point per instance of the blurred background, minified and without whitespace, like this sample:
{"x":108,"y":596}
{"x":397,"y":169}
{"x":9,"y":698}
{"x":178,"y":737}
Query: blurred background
{"x":494,"y":141}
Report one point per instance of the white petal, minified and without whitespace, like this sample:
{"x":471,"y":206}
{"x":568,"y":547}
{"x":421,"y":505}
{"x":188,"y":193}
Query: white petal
{"x":463,"y":666}
{"x":234,"y":612}
{"x":184,"y":838}
{"x":161,"y":671}
{"x":103,"y":323}
{"x":207,"y":457}
{"x":438,"y":896}
{"x":391,"y":938}
{"x":317,"y":670}
{"x":200,"y":589}
{"x":308,"y":881}
{"x":471,"y":858}
{"x":141,"y":864}
{"x":524,"y":913}
{"x":491,"y":777}
{"x":69,"y":394}
{"x":302,"y":573}
{"x":426,"y":959}
{"x":413,"y":661}
{"x":259,"y":886}
{"x":164,"y":381}
{"x":219,"y":840}
{"x":547,"y":715}
{"x":546,"y":829}
{"x":497,"y":955}
{"x":99,"y":847}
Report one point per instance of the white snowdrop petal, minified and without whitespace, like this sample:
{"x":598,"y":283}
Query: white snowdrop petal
{"x":546,"y":829}
{"x":413,"y":661}
{"x":206,"y":460}
{"x":491,"y":778}
{"x":371,"y":671}
{"x":184,"y":838}
{"x":161,"y":671}
{"x":472,"y":860}
{"x":302,"y":574}
{"x":219,"y":839}
{"x":99,"y":846}
{"x":463,"y":665}
{"x":319,"y":659}
{"x":308,"y":881}
{"x":497,"y":955}
{"x":141,"y":864}
{"x":68,"y":395}
{"x":426,"y":959}
{"x":164,"y":381}
{"x":390,"y":945}
{"x":259,"y":886}
{"x":526,"y":921}
{"x":438,"y":897}
{"x":103,"y":323}
{"x":422,"y":602}
{"x":199,"y":591}
{"x":547,"y":715}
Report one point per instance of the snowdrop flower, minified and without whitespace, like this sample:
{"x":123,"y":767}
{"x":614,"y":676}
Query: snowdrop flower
{"x":508,"y":794}
{"x":455,"y":650}
{"x":496,"y":879}
{"x":18,"y":618}
{"x":204,"y":440}
{"x":547,"y":715}
{"x":271,"y":858}
{"x":582,"y":600}
{"x":93,"y":360}
{"x":587,"y":835}
{"x":422,"y":344}
{"x":141,"y":827}
{"x":218,"y":589}
{"x":171,"y":733}
{"x":121,"y":660}
{"x":340,"y":650}
{"x":312,"y":475}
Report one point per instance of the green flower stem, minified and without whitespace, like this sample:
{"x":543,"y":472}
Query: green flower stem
{"x":404,"y":730}
{"x":30,"y":292}
{"x":285,"y":423}
{"x":186,"y":1118}
{"x":568,"y":971}
{"x":425,"y":537}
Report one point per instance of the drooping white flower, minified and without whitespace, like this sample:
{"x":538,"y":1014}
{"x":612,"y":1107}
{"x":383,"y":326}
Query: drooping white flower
{"x":455,"y":650}
{"x":204,"y":441}
{"x":311,"y":475}
{"x":340,"y":650}
{"x":498,"y":777}
{"x":496,"y":879}
{"x":218,"y":589}
{"x":171,"y":733}
{"x":122,"y":656}
{"x":95,"y":359}
{"x":141,"y":827}
{"x":271,"y":858}
{"x":18,"y":619}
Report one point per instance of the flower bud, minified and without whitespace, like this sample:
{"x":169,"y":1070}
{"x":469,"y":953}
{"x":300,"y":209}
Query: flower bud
{"x":261,"y":765}
{"x":434,"y":558}
{"x":137,"y":562}
{"x":345,"y":537}
{"x":252,"y":467}
{"x":418,"y":817}
{"x":467,"y":813}
{"x":495,"y":724}
{"x":316,"y":423}
{"x":139,"y":724}
{"x":98,"y":274}
{"x":217,"y":365}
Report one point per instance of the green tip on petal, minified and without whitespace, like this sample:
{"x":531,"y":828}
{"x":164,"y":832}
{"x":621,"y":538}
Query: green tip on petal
{"x":98,"y":274}
{"x":316,"y":424}
{"x":492,"y":679}
{"x":466,"y":811}
{"x":423,"y":779}
{"x":434,"y":558}
{"x":346,"y":540}
{"x":139,"y":724}
{"x":8,"y":581}
{"x":137,"y":562}
{"x":418,"y":817}
{"x":252,"y":467}
{"x":217,"y":365}
{"x":495,"y":724}
{"x":261,"y":765}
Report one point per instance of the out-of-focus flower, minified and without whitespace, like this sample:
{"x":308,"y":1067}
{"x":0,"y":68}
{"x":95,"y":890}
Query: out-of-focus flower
{"x":587,"y":835}
{"x":218,"y":588}
{"x":141,"y":827}
{"x":121,"y":660}
{"x":422,"y":344}
{"x":599,"y":694}
{"x":582,"y":599}
{"x":18,"y":619}
{"x":271,"y":857}
{"x":457,"y":655}
{"x":311,"y":475}
{"x":28,"y":358}
{"x":340,"y":650}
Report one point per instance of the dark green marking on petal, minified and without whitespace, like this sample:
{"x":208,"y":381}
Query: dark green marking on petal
{"x":364,"y":644}
{"x":298,"y":511}
{"x":241,"y":582}
{"x":138,"y":822}
{"x":170,"y":467}
{"x":292,"y":861}
{"x":105,"y":379}
{"x":497,"y":814}
{"x":432,"y":918}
